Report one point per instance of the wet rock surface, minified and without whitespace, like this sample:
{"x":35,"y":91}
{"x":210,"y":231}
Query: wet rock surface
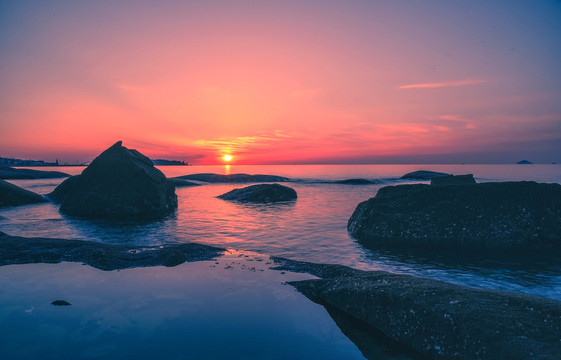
{"x":233,"y":178}
{"x":181,"y":183}
{"x":10,"y":173}
{"x":435,"y":318}
{"x":21,"y":250}
{"x":12,"y":195}
{"x":119,"y":184}
{"x":506,"y":216}
{"x":423,"y":175}
{"x":453,"y":180}
{"x":262,"y":193}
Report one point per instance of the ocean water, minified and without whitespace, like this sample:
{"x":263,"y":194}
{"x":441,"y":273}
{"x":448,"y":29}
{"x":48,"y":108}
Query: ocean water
{"x":313,"y":228}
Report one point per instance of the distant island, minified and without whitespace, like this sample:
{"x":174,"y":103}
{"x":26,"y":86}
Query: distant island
{"x":525,"y":162}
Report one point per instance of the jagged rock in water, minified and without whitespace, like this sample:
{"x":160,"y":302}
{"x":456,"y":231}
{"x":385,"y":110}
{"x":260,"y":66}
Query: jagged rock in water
{"x":262,"y":193}
{"x":423,"y":175}
{"x":233,"y":178}
{"x":60,"y":303}
{"x":119,"y":184}
{"x":10,"y":173}
{"x":435,"y":318}
{"x":453,"y":180}
{"x":501,"y":216}
{"x":12,"y":195}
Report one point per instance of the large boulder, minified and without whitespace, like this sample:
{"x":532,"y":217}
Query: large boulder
{"x":10,"y":173}
{"x":436,"y":319}
{"x":12,"y":195}
{"x":503,"y":216}
{"x":423,"y":175}
{"x":119,"y":184}
{"x":59,"y":193}
{"x":262,"y":193}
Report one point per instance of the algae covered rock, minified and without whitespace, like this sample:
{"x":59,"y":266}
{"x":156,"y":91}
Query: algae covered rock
{"x":119,"y":184}
{"x":503,"y":216}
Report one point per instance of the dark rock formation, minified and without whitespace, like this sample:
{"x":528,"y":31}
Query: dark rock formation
{"x":505,"y":216}
{"x":12,"y":195}
{"x":10,"y":173}
{"x":262,"y":193}
{"x":435,"y":318}
{"x":21,"y":250}
{"x":524,"y":162}
{"x":59,"y":193}
{"x":355,"y":182}
{"x":453,"y":180}
{"x":61,"y":303}
{"x":119,"y":184}
{"x":177,"y":182}
{"x":423,"y":175}
{"x":233,"y":178}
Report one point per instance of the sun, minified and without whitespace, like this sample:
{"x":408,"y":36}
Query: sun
{"x":227,"y":157}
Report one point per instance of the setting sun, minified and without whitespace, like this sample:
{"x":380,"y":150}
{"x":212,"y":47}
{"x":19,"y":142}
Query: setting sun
{"x":227,"y":157}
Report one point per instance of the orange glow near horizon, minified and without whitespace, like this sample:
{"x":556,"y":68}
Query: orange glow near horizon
{"x":284,"y":82}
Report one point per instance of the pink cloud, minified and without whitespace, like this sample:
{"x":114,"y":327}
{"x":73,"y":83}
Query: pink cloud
{"x":443,"y":84}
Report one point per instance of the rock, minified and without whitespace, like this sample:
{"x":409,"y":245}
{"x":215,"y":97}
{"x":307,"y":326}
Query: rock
{"x":435,"y":318}
{"x":423,"y":175}
{"x":61,"y":303}
{"x":21,"y":250}
{"x":177,"y":182}
{"x":119,"y":184}
{"x":262,"y":193}
{"x":12,"y":195}
{"x":233,"y":178}
{"x":524,"y":162}
{"x":10,"y":173}
{"x":59,"y":193}
{"x":453,"y":180}
{"x":355,"y":182}
{"x":503,"y":216}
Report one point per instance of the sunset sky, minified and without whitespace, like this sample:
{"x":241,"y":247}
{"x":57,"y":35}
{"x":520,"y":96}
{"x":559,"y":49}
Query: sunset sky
{"x":325,"y":81}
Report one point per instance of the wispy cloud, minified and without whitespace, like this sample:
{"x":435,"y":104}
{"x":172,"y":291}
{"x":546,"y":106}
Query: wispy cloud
{"x":443,"y":84}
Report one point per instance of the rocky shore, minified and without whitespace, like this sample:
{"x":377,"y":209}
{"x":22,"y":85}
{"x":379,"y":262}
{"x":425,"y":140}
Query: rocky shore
{"x":435,"y":319}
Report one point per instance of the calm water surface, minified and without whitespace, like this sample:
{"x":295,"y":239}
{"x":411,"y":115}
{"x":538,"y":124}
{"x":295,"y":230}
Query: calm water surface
{"x":312,"y":229}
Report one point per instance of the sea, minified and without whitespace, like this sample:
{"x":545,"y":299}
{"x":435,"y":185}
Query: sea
{"x":312,"y":228}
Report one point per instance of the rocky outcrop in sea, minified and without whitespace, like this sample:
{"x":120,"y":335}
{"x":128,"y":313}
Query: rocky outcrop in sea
{"x":12,"y":195}
{"x":261,"y":193}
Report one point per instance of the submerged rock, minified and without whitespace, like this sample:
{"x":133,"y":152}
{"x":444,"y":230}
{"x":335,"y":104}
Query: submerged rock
{"x":10,"y":173}
{"x":233,"y":178}
{"x":505,"y":216}
{"x":453,"y":180}
{"x":119,"y":184}
{"x":181,"y":183}
{"x":423,"y":175}
{"x":435,"y":318}
{"x":355,"y":182}
{"x":61,"y":303}
{"x":12,"y":195}
{"x":20,"y":250}
{"x":524,"y":162}
{"x":262,"y":193}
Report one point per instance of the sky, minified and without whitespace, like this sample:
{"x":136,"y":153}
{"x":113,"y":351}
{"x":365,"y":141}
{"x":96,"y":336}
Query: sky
{"x":282,"y":82}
